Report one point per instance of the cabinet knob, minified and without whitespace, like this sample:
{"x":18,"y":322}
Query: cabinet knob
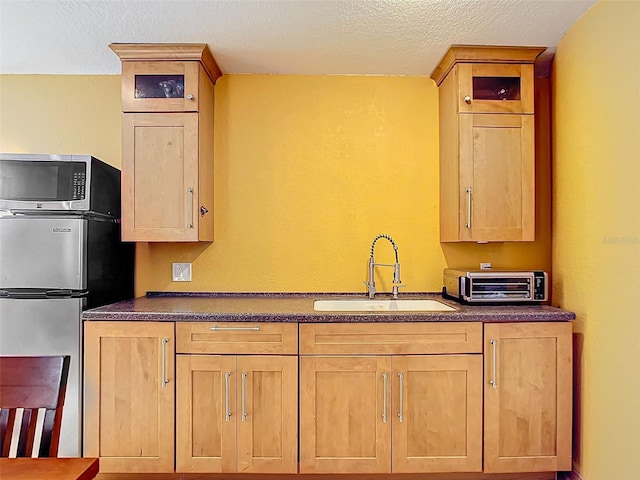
{"x":189,"y":96}
{"x":467,"y":99}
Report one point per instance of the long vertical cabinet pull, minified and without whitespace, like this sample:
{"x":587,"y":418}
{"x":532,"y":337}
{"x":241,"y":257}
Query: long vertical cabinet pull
{"x":384,"y":397}
{"x":494,"y":359}
{"x":401,"y":393}
{"x":468,"y":224}
{"x":165,"y":380}
{"x":243,"y":391}
{"x":227,"y":417}
{"x":190,"y":203}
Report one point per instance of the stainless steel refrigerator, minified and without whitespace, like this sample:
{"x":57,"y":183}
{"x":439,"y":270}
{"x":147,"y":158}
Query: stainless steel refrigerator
{"x":52,"y":266}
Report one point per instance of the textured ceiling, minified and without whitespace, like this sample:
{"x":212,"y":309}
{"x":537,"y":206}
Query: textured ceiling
{"x":365,"y":37}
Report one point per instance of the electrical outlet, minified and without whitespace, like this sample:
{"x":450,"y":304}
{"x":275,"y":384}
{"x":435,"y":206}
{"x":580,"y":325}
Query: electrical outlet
{"x":181,"y":272}
{"x":485,"y":266}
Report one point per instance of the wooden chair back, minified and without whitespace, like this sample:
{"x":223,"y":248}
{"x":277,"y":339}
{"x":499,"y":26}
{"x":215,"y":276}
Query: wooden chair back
{"x":32,"y":383}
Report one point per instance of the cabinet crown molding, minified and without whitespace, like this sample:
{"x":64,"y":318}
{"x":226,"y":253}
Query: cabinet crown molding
{"x":169,"y":52}
{"x":483,"y":54}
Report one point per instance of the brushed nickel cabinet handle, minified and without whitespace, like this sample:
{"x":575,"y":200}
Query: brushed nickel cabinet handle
{"x":190,"y":203}
{"x":244,"y":412}
{"x":494,"y":357}
{"x":190,"y":96}
{"x":384,"y":397}
{"x":468,"y":224}
{"x":467,"y":99}
{"x":401,"y":393}
{"x":227,"y":417}
{"x":165,"y":381}
{"x":228,"y":329}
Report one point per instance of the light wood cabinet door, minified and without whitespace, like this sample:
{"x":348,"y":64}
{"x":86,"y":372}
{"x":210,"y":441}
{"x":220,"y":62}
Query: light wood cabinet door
{"x":206,"y":414}
{"x":527,"y":399}
{"x":129,"y":396}
{"x":437,"y":413}
{"x":267,"y":414}
{"x":237,"y":414}
{"x":344,"y":427}
{"x":160,"y":177}
{"x":161,"y":86}
{"x":497,"y":177}
{"x":495,"y":88}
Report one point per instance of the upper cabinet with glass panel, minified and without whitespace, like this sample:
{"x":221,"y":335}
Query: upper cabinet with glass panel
{"x":490,"y":79}
{"x":164,"y":77}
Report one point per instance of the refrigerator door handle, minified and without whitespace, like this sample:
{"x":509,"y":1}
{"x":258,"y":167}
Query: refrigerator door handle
{"x":66,"y":293}
{"x":35,"y":293}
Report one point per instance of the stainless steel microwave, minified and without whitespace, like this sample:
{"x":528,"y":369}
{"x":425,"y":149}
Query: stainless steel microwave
{"x":58,"y":183}
{"x":495,"y":286}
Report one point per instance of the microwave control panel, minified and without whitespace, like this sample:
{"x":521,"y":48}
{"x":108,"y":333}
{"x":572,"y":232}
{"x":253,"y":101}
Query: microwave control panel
{"x":79,"y":185}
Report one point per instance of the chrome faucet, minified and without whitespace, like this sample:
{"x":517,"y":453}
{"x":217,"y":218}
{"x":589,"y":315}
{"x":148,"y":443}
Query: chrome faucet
{"x":371,"y":284}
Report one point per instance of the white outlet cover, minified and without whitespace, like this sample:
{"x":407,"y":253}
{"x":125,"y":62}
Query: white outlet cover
{"x":181,"y":272}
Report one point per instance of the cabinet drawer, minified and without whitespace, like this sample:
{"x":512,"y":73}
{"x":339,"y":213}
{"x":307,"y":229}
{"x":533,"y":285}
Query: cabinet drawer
{"x":390,"y":338}
{"x":234,"y":337}
{"x":161,"y":86}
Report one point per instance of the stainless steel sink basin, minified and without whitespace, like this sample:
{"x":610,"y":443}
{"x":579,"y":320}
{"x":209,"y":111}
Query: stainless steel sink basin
{"x":382,"y":305}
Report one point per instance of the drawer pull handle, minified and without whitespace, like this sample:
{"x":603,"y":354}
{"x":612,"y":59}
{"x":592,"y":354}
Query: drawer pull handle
{"x":384,"y":397}
{"x":227,"y":417}
{"x":228,"y":329}
{"x":244,"y":411}
{"x":400,"y":415}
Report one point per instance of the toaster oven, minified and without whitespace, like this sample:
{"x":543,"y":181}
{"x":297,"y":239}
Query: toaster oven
{"x":495,"y":286}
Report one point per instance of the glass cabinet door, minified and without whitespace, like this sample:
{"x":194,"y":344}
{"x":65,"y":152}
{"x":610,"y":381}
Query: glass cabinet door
{"x":160,"y":86}
{"x":495,"y":88}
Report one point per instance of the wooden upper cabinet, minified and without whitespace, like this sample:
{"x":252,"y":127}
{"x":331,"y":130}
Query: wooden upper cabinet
{"x":487,"y":138}
{"x":167,"y":142}
{"x":527,"y":397}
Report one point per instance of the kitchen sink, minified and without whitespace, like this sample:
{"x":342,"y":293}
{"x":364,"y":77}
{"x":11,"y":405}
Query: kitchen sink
{"x":382,"y":305}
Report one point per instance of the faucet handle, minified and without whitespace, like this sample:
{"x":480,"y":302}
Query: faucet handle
{"x":399,"y":285}
{"x":371,"y":288}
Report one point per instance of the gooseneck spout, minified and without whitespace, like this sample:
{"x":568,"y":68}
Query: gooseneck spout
{"x":371,"y":284}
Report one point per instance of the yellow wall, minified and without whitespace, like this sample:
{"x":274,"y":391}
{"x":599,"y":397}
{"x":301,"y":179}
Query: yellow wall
{"x":596,"y":230}
{"x":61,"y":114}
{"x":308,"y":169}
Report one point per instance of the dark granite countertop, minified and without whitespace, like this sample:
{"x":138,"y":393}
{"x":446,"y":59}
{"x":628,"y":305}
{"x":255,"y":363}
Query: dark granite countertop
{"x":298,"y":308}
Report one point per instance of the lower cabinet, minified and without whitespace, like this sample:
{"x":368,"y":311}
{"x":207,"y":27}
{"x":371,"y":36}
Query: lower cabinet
{"x":236,"y":398}
{"x":129,"y":395}
{"x":353,"y":398}
{"x":527,"y":397}
{"x":391,"y":413}
{"x":236,"y":414}
{"x":438,"y":424}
